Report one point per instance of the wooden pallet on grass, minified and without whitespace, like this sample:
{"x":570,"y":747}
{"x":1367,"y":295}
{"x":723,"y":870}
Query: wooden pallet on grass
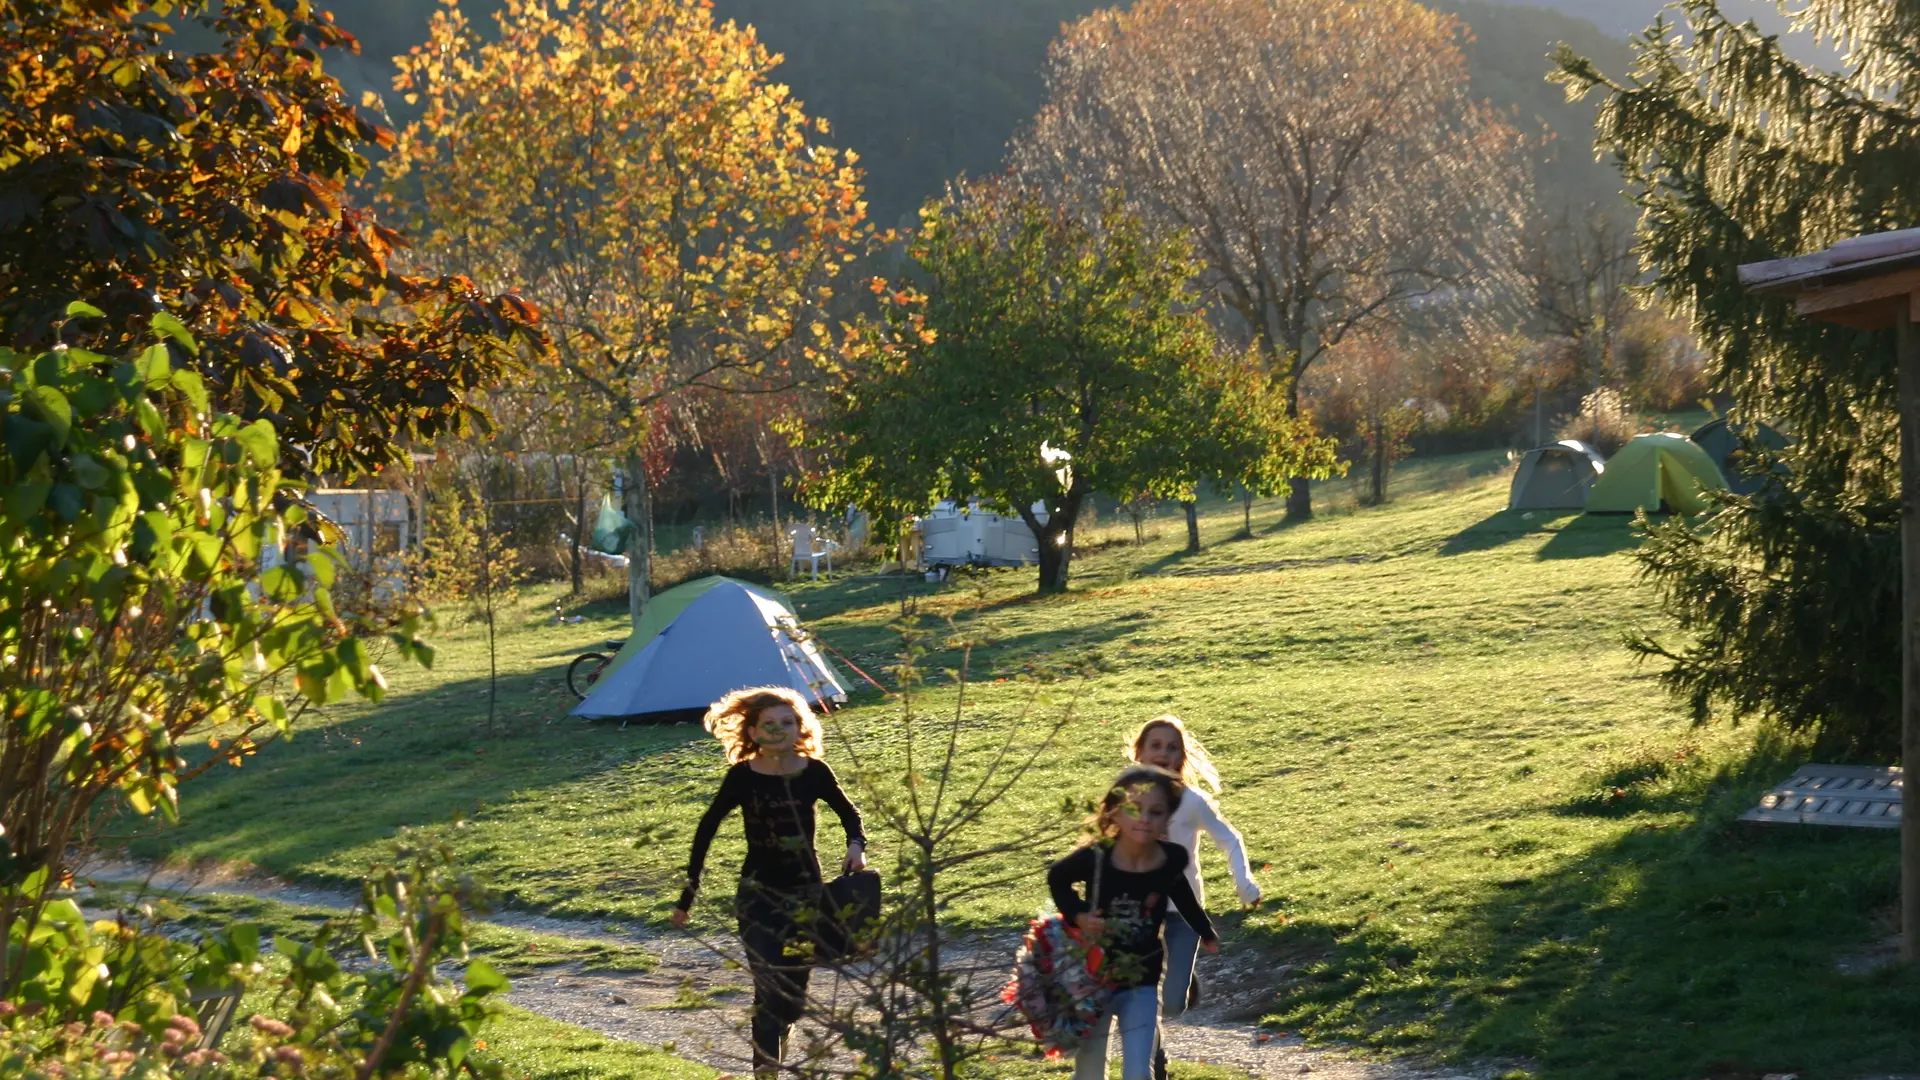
{"x":1864,"y":796}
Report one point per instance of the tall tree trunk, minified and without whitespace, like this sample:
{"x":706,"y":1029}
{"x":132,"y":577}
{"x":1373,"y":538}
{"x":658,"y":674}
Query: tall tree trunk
{"x":1055,"y":540}
{"x":580,"y":527}
{"x":782,"y":545}
{"x":1299,"y":489}
{"x":1377,"y":486}
{"x":1054,"y":560}
{"x":638,"y":500}
{"x":489,"y":554}
{"x":1192,"y":509}
{"x":1246,"y":511}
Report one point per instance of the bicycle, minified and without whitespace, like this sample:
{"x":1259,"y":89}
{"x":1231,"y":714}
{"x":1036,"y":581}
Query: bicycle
{"x":586,"y":669}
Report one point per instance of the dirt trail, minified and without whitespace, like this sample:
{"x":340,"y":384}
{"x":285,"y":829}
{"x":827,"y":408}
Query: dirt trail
{"x":694,"y":1003}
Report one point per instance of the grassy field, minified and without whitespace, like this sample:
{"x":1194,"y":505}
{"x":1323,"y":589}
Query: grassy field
{"x":1483,"y":831}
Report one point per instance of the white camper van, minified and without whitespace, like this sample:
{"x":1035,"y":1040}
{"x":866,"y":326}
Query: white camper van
{"x":953,"y":535}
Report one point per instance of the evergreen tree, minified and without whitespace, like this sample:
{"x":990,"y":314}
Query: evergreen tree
{"x":1788,"y":602}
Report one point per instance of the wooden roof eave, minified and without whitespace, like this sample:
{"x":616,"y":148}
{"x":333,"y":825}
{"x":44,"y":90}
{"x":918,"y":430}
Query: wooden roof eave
{"x":1867,"y":294}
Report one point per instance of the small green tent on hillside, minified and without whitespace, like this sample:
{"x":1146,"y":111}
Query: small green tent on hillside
{"x":1663,"y":473}
{"x":665,"y":607}
{"x":730,"y":636}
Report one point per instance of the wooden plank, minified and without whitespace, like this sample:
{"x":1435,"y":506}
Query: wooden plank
{"x":1836,"y":301}
{"x":1861,"y":796}
{"x":1791,"y":276}
{"x":1773,"y":274}
{"x":1858,"y":772}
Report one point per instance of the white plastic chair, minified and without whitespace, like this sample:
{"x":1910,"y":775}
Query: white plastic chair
{"x":810,"y":549}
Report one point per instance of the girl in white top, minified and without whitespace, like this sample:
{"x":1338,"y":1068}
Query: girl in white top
{"x":1165,"y":741}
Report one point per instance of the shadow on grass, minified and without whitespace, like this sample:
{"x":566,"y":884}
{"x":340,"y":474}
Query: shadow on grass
{"x":856,"y":591}
{"x":1591,"y":535}
{"x":1502,"y":528}
{"x":1701,"y":949}
{"x":349,"y":779}
{"x":1175,"y":558}
{"x":1058,"y":650}
{"x":421,"y":759}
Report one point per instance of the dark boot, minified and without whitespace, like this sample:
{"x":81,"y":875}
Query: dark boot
{"x":1159,"y":1062}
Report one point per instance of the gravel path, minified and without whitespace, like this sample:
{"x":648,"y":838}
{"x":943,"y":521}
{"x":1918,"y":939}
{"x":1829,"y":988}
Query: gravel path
{"x":693,"y":1003}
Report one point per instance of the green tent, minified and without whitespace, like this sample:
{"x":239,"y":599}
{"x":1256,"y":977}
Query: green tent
{"x":1663,"y":473}
{"x":665,"y":607}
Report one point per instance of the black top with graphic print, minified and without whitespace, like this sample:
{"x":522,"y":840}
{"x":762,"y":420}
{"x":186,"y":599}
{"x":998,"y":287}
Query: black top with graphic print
{"x":1134,"y":905}
{"x":778,"y":813}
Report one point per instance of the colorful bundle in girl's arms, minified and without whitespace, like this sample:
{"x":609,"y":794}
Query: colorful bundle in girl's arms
{"x":1058,"y":985}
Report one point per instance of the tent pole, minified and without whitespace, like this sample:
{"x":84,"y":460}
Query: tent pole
{"x":1909,"y":366}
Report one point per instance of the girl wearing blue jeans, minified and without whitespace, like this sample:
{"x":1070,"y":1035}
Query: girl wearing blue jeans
{"x":1117,"y":890}
{"x":1165,"y":742}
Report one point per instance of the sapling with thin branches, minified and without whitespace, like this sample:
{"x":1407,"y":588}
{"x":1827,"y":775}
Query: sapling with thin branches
{"x":927,"y":1001}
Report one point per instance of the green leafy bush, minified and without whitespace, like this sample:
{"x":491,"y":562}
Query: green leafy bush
{"x":110,"y":999}
{"x":134,"y":614}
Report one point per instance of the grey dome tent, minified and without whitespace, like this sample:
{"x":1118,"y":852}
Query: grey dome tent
{"x":1556,"y":477}
{"x":728,"y":638}
{"x":1722,"y":444}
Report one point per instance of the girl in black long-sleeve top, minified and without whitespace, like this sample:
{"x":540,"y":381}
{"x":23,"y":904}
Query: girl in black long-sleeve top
{"x":773,"y":741}
{"x":1130,"y":875}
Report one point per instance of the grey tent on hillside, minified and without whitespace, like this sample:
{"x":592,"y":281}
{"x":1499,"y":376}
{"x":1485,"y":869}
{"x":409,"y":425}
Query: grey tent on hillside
{"x":1722,"y":444}
{"x":1556,"y":477}
{"x":730,"y":637}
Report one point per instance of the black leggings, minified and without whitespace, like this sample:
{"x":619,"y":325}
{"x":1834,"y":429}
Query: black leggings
{"x":767,"y":927}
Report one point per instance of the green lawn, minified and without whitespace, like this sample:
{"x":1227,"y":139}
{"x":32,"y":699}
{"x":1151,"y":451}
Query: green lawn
{"x":1484,"y":831}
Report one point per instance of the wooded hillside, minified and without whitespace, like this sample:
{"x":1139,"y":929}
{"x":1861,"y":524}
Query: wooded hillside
{"x":928,"y":89}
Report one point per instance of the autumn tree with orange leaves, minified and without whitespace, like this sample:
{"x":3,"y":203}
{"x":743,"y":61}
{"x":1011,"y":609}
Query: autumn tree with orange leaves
{"x":630,"y":165}
{"x":210,"y":178}
{"x":1323,"y":157}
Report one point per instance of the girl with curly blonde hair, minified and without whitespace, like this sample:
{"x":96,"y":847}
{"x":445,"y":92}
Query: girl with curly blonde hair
{"x":775,"y":777}
{"x":1165,"y":741}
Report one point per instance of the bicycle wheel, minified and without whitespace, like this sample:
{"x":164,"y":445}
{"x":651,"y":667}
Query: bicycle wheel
{"x":584,"y":671}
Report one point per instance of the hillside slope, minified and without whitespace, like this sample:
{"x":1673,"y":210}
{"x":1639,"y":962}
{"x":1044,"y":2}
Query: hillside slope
{"x":1508,"y":56}
{"x":1483,"y":830}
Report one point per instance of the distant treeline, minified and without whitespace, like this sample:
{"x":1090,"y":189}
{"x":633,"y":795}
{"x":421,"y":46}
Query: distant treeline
{"x":928,"y":89}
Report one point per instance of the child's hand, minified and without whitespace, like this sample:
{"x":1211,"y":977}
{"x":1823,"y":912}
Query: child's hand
{"x":1212,"y":945}
{"x":1091,"y":925}
{"x":678,"y":917}
{"x":855,"y":861}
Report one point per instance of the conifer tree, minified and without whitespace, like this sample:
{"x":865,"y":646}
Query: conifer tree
{"x":1788,"y":604}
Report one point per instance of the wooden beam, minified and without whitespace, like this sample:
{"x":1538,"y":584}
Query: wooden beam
{"x":1759,"y":276}
{"x":1909,"y":379}
{"x":1791,"y":277}
{"x":1861,"y":303}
